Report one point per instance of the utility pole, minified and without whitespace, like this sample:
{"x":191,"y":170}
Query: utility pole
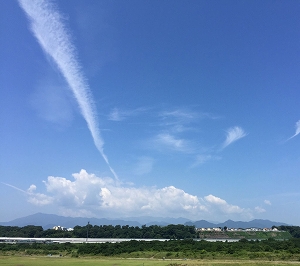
{"x":87,"y":231}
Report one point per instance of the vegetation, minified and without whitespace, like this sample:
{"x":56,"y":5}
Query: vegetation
{"x":172,"y":249}
{"x":280,"y":235}
{"x":26,"y":231}
{"x":48,"y":261}
{"x":179,"y":249}
{"x":147,"y":232}
{"x":293,"y":230}
{"x":104,"y":231}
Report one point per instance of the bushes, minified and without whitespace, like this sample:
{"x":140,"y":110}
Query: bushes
{"x":267,"y":249}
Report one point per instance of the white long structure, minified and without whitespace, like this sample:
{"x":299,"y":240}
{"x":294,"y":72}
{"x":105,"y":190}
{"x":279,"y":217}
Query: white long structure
{"x":70,"y":240}
{"x":13,"y":240}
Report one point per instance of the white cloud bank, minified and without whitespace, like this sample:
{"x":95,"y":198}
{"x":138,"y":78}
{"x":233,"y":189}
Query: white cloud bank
{"x":105,"y":197}
{"x":51,"y":33}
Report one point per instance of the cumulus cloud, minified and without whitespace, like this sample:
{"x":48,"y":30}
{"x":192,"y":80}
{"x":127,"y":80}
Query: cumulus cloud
{"x":233,"y":134}
{"x":297,"y":130}
{"x":222,"y":205}
{"x":87,"y":194}
{"x":31,"y":189}
{"x":39,"y":199}
{"x":91,"y":193}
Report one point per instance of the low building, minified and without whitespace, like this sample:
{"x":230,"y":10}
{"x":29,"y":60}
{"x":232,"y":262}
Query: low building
{"x":59,"y":228}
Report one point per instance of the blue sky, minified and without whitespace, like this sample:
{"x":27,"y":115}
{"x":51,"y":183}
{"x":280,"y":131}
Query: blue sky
{"x":160,"y":108}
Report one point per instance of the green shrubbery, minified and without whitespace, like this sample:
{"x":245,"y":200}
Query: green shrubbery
{"x":266,"y":249}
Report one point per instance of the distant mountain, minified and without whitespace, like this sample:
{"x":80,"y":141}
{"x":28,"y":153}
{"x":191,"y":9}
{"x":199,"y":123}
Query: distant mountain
{"x":49,"y":220}
{"x":201,"y":224}
{"x":149,"y":220}
{"x":257,"y":223}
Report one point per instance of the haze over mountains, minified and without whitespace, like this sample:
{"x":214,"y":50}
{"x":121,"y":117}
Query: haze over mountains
{"x":49,"y":220}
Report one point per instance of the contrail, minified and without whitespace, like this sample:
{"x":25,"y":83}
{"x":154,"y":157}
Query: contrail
{"x":51,"y":33}
{"x":15,"y":187}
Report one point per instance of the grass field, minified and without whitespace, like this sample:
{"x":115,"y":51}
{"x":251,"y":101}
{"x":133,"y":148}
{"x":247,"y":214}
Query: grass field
{"x":246,"y":234}
{"x":64,"y":261}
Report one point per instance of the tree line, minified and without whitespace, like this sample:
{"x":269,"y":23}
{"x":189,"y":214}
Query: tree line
{"x":104,"y":231}
{"x":109,"y":231}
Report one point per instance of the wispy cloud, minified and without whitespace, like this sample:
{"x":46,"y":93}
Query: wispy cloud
{"x":119,"y":115}
{"x":267,"y":202}
{"x":115,"y":115}
{"x":204,"y":158}
{"x":166,"y":140}
{"x":178,"y":120}
{"x":52,"y":34}
{"x":297,"y":130}
{"x":259,"y":209}
{"x":233,"y":134}
{"x":52,"y":103}
{"x":144,"y":165}
{"x":179,"y":114}
{"x":185,"y":115}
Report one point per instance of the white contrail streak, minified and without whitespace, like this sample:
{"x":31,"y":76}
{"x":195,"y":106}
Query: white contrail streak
{"x":48,"y":28}
{"x":16,"y":188}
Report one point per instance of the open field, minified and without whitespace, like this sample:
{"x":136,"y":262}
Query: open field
{"x":244,"y":234}
{"x":64,"y":261}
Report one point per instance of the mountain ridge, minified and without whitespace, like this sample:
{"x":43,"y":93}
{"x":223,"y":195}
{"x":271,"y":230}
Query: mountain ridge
{"x":49,"y":220}
{"x":256,"y":223}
